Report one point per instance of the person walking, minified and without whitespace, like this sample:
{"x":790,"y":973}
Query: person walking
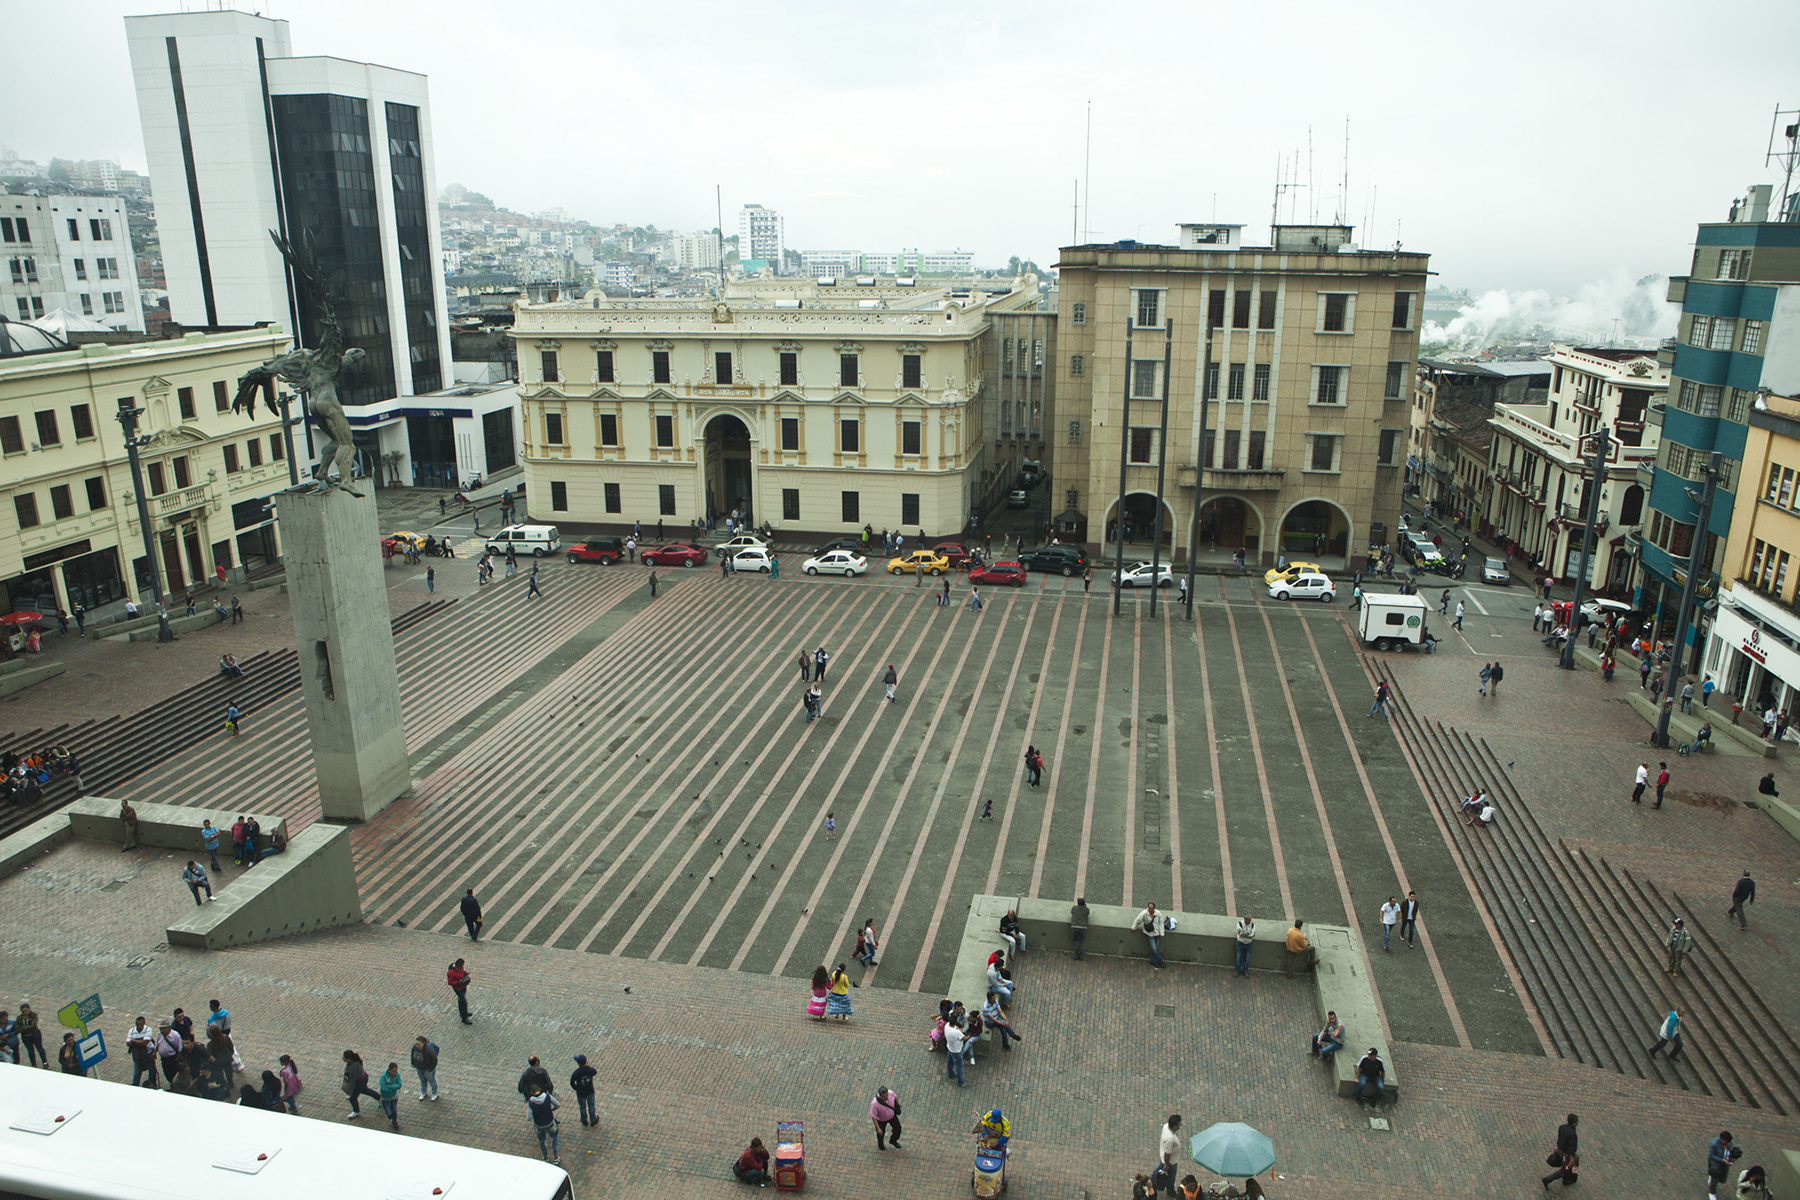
{"x":1662,"y":781}
{"x":1482,"y":676}
{"x":806,"y":661}
{"x":1087,"y":579}
{"x":194,"y":875}
{"x":1537,"y":616}
{"x":869,"y":941}
{"x":884,"y":1114}
{"x":1168,"y":1155}
{"x":1719,"y":1157}
{"x":1677,"y":943}
{"x":820,"y":661}
{"x":1706,"y":690}
{"x":209,"y":837}
{"x":290,"y":1084}
{"x":542,"y":1106}
{"x":831,"y":827}
{"x":1034,"y":765}
{"x":1642,"y":781}
{"x":1153,"y":925}
{"x":1565,"y":1158}
{"x":1669,"y":1034}
{"x":1687,"y":696}
{"x":1381,"y":700}
{"x":424,"y":1063}
{"x":1741,"y":895}
{"x":1457,"y":624}
{"x":1181,"y":595}
{"x":1495,"y":675}
{"x":1078,"y":924}
{"x":356,"y":1083}
{"x":457,"y":976}
{"x":471,"y":914}
{"x":80,"y":620}
{"x":581,"y":1082}
{"x":389,"y":1095}
{"x":1444,"y":602}
{"x":1390,"y":916}
{"x":1409,"y":918}
{"x":1643,"y":668}
{"x":129,"y":819}
{"x":1246,"y":939}
{"x":890,"y":679}
{"x":653,"y":583}
{"x":532,"y":588}
{"x":431,"y":579}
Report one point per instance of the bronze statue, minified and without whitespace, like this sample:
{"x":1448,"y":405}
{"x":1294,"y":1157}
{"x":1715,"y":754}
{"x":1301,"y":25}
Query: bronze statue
{"x":313,"y":373}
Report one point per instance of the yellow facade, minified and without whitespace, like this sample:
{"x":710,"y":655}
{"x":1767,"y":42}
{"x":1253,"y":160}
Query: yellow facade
{"x":1762,"y":551}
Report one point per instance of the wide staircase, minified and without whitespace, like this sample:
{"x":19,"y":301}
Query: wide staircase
{"x":1587,"y":939}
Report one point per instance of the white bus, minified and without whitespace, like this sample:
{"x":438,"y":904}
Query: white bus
{"x":68,"y":1137}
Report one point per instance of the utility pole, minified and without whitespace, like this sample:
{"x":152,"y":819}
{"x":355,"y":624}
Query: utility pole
{"x":1162,"y":445}
{"x":1697,"y":559}
{"x":1124,"y":448}
{"x":1602,"y":443}
{"x":281,"y":402}
{"x":1199,"y":470}
{"x":134,"y":441}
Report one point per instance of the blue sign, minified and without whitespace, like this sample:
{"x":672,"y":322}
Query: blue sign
{"x":92,"y":1050}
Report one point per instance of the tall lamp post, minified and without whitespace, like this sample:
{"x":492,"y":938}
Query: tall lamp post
{"x":1697,"y":557}
{"x":134,"y":441}
{"x":1602,"y":441}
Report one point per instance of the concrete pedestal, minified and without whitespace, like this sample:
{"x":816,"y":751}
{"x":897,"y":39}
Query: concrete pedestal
{"x":346,"y":648}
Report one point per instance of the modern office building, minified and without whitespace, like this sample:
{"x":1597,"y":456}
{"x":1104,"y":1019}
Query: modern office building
{"x":762,"y":236}
{"x":242,"y":138}
{"x":71,"y":253}
{"x":1312,"y":360}
{"x":1739,"y":333}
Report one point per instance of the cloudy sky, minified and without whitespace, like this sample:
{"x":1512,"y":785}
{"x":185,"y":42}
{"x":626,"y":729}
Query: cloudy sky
{"x":1525,"y":146}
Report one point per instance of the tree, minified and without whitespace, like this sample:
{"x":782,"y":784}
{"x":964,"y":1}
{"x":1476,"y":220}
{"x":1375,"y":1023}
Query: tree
{"x":1012,"y":264}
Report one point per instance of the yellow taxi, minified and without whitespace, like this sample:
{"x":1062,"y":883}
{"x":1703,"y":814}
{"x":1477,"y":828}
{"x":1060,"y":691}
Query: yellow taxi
{"x":919,"y":562}
{"x":1292,"y":572}
{"x":402,"y":540}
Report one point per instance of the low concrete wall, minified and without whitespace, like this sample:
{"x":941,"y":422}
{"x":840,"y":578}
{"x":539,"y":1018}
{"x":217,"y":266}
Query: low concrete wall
{"x":1683,"y":726}
{"x":180,"y":625}
{"x":1784,"y":1175}
{"x":312,"y":885}
{"x":1339,"y":982}
{"x":33,"y":841}
{"x":172,"y":826}
{"x":24,"y":674}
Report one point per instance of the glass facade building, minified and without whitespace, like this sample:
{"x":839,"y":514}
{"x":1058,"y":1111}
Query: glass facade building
{"x":412,"y":231}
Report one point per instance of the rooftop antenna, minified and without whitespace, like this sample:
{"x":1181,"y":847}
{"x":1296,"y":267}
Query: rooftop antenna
{"x":1344,"y":183}
{"x":719,"y":203}
{"x":1075,"y":217}
{"x":1784,"y":152}
{"x":1087,"y":175}
{"x":1312,"y":202}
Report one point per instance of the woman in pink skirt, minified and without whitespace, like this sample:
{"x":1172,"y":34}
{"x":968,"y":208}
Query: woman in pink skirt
{"x":821,"y":990}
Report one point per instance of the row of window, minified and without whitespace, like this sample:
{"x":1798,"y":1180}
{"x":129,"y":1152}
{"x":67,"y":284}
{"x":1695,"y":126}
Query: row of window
{"x":18,"y":229}
{"x":62,"y":502}
{"x":1677,"y":537}
{"x":1781,"y":487}
{"x":1324,"y":451}
{"x":1704,"y":400}
{"x":912,"y":370}
{"x":849,"y":503}
{"x":49,"y":430}
{"x":662,"y":430}
{"x":1768,"y":567}
{"x":104,"y":268}
{"x":1330,"y":383}
{"x":1336,"y":310}
{"x":32,"y":307}
{"x":15,"y":229}
{"x":1688,"y":463}
{"x":1722,"y":333}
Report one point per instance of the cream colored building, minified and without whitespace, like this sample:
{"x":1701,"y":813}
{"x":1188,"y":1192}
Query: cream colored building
{"x":818,"y":409}
{"x":69,"y":531}
{"x":1313,"y":346}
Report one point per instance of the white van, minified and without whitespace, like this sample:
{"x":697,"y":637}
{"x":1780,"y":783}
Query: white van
{"x":535,"y":540}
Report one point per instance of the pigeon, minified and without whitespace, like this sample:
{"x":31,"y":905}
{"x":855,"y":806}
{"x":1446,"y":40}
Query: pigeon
{"x":628,"y":991}
{"x":1509,"y":764}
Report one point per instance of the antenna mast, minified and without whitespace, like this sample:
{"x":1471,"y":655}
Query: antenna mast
{"x":719,"y":202}
{"x":1784,"y":152}
{"x":1087,"y":176}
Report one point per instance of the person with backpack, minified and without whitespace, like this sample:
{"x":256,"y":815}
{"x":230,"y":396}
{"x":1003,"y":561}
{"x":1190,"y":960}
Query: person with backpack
{"x":581,"y":1082}
{"x":542,"y":1106}
{"x":424,"y":1062}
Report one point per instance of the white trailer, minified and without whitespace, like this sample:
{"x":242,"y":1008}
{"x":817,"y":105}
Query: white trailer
{"x":1392,"y":621}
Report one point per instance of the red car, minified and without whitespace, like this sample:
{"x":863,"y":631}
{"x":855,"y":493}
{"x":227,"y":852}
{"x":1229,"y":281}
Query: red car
{"x":953,"y":551}
{"x":603,"y":550}
{"x":999,"y":574}
{"x":675,"y":554}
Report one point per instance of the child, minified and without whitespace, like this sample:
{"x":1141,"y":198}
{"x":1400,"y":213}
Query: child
{"x":987,"y":809}
{"x":831,"y":827}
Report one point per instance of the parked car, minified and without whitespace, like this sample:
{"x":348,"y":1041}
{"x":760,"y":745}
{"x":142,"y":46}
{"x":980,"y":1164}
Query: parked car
{"x":837,"y":562}
{"x":742,"y":541}
{"x":754,"y":558}
{"x":919,"y":561}
{"x":1595,"y":611}
{"x":675,"y":554}
{"x":1141,"y":575}
{"x":1018,"y":498}
{"x":954,"y":552}
{"x":603,"y":550}
{"x":853,"y":545}
{"x":1055,"y":560}
{"x":1032,"y":473}
{"x":1421,"y":553}
{"x":1292,"y":571}
{"x":1495,"y":570}
{"x":536,"y":540}
{"x":1309,"y":586}
{"x":1000,"y":574}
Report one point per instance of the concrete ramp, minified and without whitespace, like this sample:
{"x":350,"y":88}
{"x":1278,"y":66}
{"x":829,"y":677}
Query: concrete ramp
{"x":310,"y":886}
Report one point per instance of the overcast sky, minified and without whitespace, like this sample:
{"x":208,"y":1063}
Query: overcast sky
{"x":1526,"y":145}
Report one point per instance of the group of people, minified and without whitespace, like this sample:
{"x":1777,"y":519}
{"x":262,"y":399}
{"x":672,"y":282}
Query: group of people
{"x":203,"y":1062}
{"x":958,"y":1029}
{"x":247,"y":847}
{"x":23,"y":777}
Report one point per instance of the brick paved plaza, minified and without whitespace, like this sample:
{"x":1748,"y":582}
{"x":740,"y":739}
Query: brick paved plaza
{"x":632,"y":790}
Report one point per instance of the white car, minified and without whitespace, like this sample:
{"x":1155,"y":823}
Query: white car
{"x":1596,"y":611}
{"x":742,"y":541}
{"x":754,"y":559}
{"x":838,"y":562}
{"x":1309,"y":585}
{"x":1140,"y":574}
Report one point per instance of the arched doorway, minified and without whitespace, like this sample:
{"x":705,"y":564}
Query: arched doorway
{"x":1315,"y":529}
{"x":1631,"y":508}
{"x":1227,"y":523}
{"x":1140,"y":520}
{"x":727,"y":467}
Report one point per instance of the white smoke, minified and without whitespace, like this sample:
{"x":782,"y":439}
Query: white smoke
{"x":1600,"y":313}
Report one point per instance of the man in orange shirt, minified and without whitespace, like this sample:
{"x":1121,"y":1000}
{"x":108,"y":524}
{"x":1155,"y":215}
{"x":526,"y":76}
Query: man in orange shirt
{"x":1300,"y":951}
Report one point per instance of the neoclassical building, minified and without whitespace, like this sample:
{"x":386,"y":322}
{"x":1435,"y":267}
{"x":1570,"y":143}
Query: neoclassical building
{"x":816,"y":407}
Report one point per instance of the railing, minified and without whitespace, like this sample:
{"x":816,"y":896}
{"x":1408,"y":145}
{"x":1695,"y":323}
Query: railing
{"x":174,"y":502}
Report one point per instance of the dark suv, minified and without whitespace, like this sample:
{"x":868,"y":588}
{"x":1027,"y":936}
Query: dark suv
{"x":604,"y":550}
{"x":1055,"y":560}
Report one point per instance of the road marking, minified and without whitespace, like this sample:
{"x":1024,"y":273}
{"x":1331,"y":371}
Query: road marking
{"x":1062,"y":732}
{"x":1262,"y":772}
{"x":1218,"y":788}
{"x":1479,"y":606}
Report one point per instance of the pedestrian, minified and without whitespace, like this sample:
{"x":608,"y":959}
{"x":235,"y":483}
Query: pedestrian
{"x":441,"y":508}
{"x":812,"y":701}
{"x":1409,"y":918}
{"x":953,"y":1052}
{"x":389,"y":1095}
{"x":1356,"y":597}
{"x":831,"y":827}
{"x":431,"y":579}
{"x":25,"y":1026}
{"x":820,"y":660}
{"x":868,"y":937}
{"x":1662,"y":781}
{"x":1078,"y":921}
{"x":129,"y":819}
{"x":1031,"y":773}
{"x":471,"y":914}
{"x":653,"y":583}
{"x":542,"y":1106}
{"x":1168,"y":1155}
{"x":1669,"y":1034}
{"x":424,"y":1064}
{"x":1381,"y":700}
{"x":1494,"y":677}
{"x":1486,"y":673}
{"x":1706,"y":690}
{"x":80,"y":621}
{"x":457,"y":976}
{"x":290,"y":1084}
{"x":194,"y":875}
{"x":1678,"y":942}
{"x":68,"y":1056}
{"x":237,"y":609}
{"x":631,"y":549}
{"x":1643,"y":669}
{"x":237,"y":842}
{"x":1457,"y":624}
{"x":987,"y":811}
{"x":1246,"y":938}
{"x":140,"y":1039}
{"x":532,"y":588}
{"x":974,"y":599}
{"x":1687,"y":696}
{"x":1537,"y":616}
{"x":168,"y":1054}
{"x":1390,"y":916}
{"x":1743,"y":894}
{"x":209,"y":837}
{"x":1153,"y":925}
{"x":356,"y":1083}
{"x":890,"y":679}
{"x":1564,"y":1158}
{"x":1719,"y":1157}
{"x":1643,"y":780}
{"x":581,"y":1082}
{"x":884,"y":1114}
{"x":1181,"y":596}
{"x":806,"y":662}
{"x":1444,"y":602}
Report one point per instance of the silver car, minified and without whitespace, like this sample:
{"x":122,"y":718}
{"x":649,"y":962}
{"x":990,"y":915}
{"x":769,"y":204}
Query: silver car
{"x":1495,"y":570}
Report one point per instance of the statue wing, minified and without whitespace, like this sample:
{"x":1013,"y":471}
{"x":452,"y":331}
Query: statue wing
{"x":304,"y":263}
{"x":251,"y":382}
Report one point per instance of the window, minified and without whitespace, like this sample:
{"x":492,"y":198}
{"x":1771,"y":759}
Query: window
{"x":158,"y":484}
{"x":553,"y":429}
{"x":1722,"y":334}
{"x":848,"y":437}
{"x":1149,"y":308}
{"x":852,"y":507}
{"x":1240,"y":309}
{"x":1384,"y":454}
{"x":1265,"y":310}
{"x":231,"y":464}
{"x":1396,"y":380}
{"x":665,"y":431}
{"x":114,"y":301}
{"x":1077,"y":310}
{"x":603,"y":366}
{"x":909,"y":508}
{"x":1699,"y":330}
{"x":912,"y":370}
{"x":277,"y":451}
{"x":6,"y":230}
{"x":910,"y":440}
{"x":10,"y":440}
{"x":1253,"y":460}
{"x":665,"y":499}
{"x":1212,"y":381}
{"x":1677,"y":459}
{"x":659,"y":366}
{"x":62,"y":503}
{"x":1215,"y":309}
{"x":48,"y":434}
{"x":722,"y":367}
{"x":74,"y":229}
{"x":1328,"y":385}
{"x":1403,"y":310}
{"x":1739,"y":410}
{"x":559,"y":496}
{"x":87,"y":305}
{"x":184,"y":398}
{"x":81,"y":419}
{"x":790,"y":368}
{"x":1734,"y":264}
{"x":254,"y":448}
{"x":24,"y":228}
{"x":790,"y":504}
{"x":25,"y":505}
{"x":1077,"y":364}
{"x":1323,"y":455}
{"x":615,"y":503}
{"x":790,"y":433}
{"x":547,"y":363}
{"x":107,"y":267}
{"x":96,"y":491}
{"x":1334,"y":312}
{"x":221,"y":396}
{"x":848,"y":375}
{"x":1775,"y":471}
{"x":1259,"y":385}
{"x":1143,"y":377}
{"x":1233,"y":442}
{"x":1143,"y":444}
{"x":1075,"y":433}
{"x":184,"y":477}
{"x":102,"y":230}
{"x":81,"y":269}
{"x":1234,"y":380}
{"x":1753,"y":336}
{"x":24,"y":308}
{"x":609,"y":429}
{"x":1706,"y":400}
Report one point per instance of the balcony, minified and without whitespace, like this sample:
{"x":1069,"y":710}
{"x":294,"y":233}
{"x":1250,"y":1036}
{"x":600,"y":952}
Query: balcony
{"x":1572,"y":514}
{"x":170,"y":503}
{"x":1646,"y":473}
{"x":1232,"y":481}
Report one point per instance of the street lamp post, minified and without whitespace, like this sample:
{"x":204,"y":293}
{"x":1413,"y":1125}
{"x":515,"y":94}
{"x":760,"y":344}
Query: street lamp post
{"x":134,"y":441}
{"x":1199,"y":472}
{"x":1602,"y":440}
{"x":1696,"y":563}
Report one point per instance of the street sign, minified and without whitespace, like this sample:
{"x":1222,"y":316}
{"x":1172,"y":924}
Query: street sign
{"x":92,"y":1049}
{"x":77,"y":1015}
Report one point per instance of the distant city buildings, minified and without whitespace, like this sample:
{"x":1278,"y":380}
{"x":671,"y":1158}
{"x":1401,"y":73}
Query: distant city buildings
{"x":697,"y":251}
{"x":68,"y":253}
{"x":761,"y":236}
{"x":837,"y":264}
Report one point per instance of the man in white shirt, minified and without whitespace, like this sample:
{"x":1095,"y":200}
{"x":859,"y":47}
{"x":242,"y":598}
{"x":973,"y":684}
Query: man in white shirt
{"x":1152,"y":925}
{"x":1168,"y":1153}
{"x":953,"y":1049}
{"x":140,"y":1039}
{"x":1246,"y":937}
{"x":1390,"y":916}
{"x":1643,"y":778}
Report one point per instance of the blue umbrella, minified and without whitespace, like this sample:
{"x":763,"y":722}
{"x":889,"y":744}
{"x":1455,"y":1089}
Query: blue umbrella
{"x":1232,"y":1148}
